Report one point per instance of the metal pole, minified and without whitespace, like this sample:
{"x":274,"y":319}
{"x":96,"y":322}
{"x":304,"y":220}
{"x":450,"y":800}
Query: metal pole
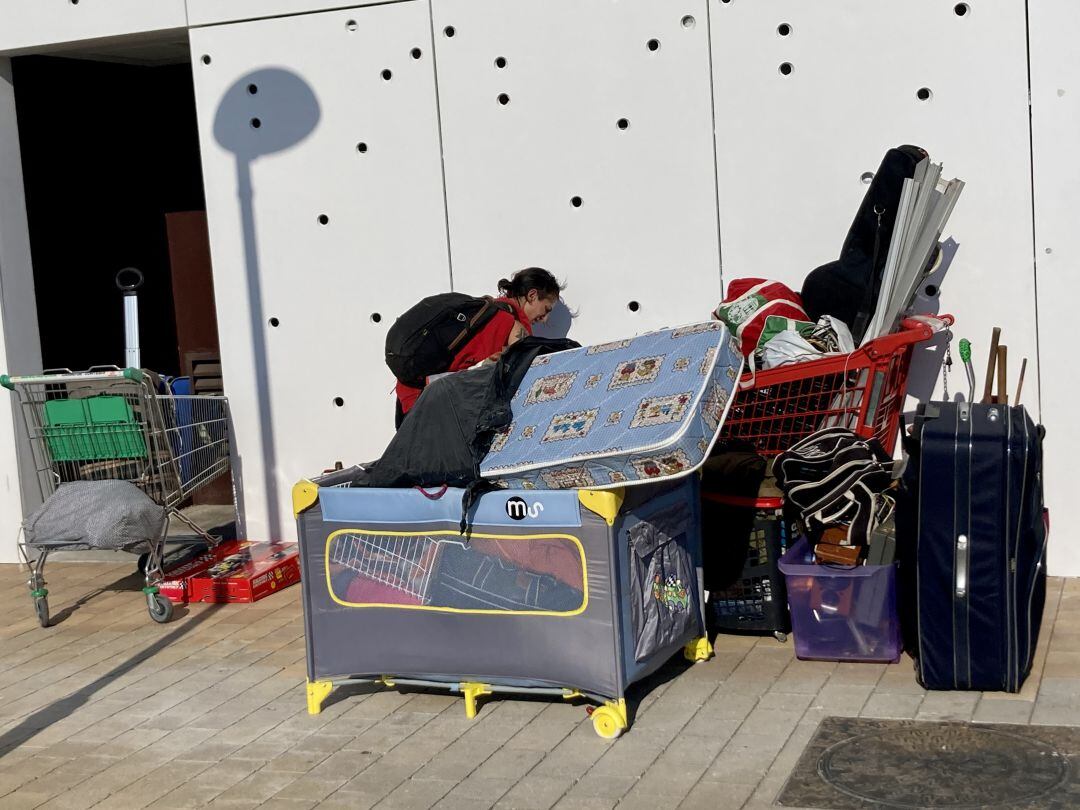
{"x":129,"y":280}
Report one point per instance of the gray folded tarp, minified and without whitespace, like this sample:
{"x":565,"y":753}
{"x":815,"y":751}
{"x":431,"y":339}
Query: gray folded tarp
{"x":96,"y":514}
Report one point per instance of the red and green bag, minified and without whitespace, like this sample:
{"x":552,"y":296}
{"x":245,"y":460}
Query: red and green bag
{"x":750,"y":302}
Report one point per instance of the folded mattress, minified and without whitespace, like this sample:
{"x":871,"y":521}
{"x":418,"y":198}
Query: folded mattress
{"x":620,"y":413}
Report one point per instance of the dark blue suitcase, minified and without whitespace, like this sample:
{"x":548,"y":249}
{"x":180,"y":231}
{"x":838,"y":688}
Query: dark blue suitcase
{"x":973,"y":545}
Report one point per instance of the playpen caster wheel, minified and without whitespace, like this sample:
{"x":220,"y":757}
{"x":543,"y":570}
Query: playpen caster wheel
{"x":161,"y":609}
{"x":607,"y":722}
{"x":780,"y":636}
{"x":41,"y":607}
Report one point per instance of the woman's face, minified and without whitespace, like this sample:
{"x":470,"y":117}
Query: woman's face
{"x":537,"y":307}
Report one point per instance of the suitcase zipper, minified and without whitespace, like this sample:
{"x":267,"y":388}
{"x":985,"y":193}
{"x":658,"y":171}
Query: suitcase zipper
{"x":1031,"y":599}
{"x":1038,"y":560}
{"x":1011,"y":547}
{"x":918,"y":576}
{"x":962,"y":554}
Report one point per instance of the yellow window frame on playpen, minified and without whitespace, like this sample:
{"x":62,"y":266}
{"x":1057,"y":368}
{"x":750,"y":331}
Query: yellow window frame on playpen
{"x":458,"y":536}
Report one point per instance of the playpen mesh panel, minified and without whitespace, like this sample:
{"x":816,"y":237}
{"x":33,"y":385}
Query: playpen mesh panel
{"x":444,"y":571}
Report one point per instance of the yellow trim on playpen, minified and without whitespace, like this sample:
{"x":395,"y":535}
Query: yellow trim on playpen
{"x":574,"y":540}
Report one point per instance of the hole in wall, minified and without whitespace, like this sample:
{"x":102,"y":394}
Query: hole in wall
{"x":924,"y":94}
{"x":784,"y":29}
{"x":274,"y":322}
{"x":206,"y":59}
{"x":361,"y":147}
{"x":786,"y":69}
{"x":387,"y":75}
{"x":416,"y":53}
{"x":256,"y":123}
{"x":576,"y":202}
{"x":503,"y":99}
{"x":253,"y":89}
{"x":633,"y":306}
{"x":867,"y":177}
{"x":688,"y":21}
{"x":653,"y":44}
{"x":449,"y":31}
{"x":961,"y":9}
{"x":351,"y":25}
{"x":931,"y":290}
{"x":500,"y":62}
{"x":323,"y":219}
{"x":339,"y":402}
{"x":376,"y":317}
{"x":74,"y":2}
{"x":622,"y":123}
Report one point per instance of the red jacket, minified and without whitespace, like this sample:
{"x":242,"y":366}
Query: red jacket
{"x":488,"y":341}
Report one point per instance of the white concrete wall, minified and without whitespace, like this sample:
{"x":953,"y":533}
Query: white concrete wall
{"x":209,"y":12}
{"x":1055,"y":106}
{"x":646,"y":228}
{"x":791,"y":149}
{"x":331,"y":288}
{"x":20,"y":349}
{"x":26,"y":24}
{"x":724,"y":158}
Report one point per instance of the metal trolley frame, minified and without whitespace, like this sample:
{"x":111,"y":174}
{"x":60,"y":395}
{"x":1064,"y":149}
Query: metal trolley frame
{"x":111,"y":424}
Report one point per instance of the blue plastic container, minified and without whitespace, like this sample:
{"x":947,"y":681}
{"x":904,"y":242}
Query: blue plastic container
{"x":841,"y":613}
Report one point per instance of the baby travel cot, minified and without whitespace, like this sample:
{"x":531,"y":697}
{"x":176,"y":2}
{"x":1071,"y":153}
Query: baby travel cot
{"x":573,"y":593}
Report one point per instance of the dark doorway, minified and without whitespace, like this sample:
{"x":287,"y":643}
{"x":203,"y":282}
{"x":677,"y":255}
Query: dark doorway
{"x":108,"y":150}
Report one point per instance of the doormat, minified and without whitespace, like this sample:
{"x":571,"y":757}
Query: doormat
{"x":857,"y":763}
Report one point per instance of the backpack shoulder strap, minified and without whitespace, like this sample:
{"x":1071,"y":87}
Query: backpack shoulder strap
{"x":482,"y":316}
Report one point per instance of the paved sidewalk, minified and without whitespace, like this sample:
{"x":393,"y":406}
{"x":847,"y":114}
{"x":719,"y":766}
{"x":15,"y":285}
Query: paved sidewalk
{"x":107,"y":709}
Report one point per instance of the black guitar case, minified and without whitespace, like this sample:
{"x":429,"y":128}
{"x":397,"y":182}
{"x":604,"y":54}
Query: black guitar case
{"x":848,"y":288}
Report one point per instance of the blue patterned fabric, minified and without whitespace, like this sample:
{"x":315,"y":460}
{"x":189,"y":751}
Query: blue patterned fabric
{"x":618,"y":413}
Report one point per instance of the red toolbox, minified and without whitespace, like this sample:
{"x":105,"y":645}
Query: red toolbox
{"x":233,"y":571}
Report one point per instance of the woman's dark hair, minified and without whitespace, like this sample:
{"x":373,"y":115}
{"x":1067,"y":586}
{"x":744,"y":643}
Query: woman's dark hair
{"x":531,"y":278}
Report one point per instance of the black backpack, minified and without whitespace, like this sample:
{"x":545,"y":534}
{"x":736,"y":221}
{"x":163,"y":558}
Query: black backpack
{"x":426,"y":338}
{"x":849,"y":287}
{"x":835,"y":477}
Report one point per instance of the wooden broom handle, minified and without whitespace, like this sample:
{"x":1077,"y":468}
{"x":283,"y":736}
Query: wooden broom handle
{"x":1020,"y":382}
{"x":988,"y":388}
{"x":1002,"y":369}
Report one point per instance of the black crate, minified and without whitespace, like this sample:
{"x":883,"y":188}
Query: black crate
{"x":744,"y":539}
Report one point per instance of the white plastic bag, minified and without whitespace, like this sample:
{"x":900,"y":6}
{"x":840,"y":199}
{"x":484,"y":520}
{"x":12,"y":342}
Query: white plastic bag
{"x":790,"y":346}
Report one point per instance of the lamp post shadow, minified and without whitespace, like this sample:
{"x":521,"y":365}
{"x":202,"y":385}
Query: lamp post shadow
{"x":263,"y":113}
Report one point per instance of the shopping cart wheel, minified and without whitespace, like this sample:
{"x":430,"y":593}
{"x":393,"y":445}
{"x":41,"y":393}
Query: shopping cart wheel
{"x":143,"y":559}
{"x":161,"y":609}
{"x":41,"y":607}
{"x":780,"y":636}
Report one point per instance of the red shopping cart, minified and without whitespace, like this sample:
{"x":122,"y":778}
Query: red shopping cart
{"x":863,"y":391}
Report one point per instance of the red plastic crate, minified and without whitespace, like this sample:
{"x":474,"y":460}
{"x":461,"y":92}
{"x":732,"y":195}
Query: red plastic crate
{"x":863,"y":391}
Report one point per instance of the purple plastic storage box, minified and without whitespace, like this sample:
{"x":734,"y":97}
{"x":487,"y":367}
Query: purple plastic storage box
{"x":840,"y":613}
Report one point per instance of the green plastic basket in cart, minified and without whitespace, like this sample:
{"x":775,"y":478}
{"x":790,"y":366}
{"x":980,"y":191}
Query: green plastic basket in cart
{"x":100,"y":428}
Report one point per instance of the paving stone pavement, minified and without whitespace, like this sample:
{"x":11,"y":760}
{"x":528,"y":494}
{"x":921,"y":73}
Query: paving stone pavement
{"x":107,"y":709}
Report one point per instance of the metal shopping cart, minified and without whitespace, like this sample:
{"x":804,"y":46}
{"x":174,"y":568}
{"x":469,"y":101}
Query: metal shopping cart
{"x":111,"y":425}
{"x":863,"y":391}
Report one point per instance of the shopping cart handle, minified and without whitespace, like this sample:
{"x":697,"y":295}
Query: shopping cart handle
{"x":937,"y":323}
{"x":93,"y":375}
{"x":914,"y":329}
